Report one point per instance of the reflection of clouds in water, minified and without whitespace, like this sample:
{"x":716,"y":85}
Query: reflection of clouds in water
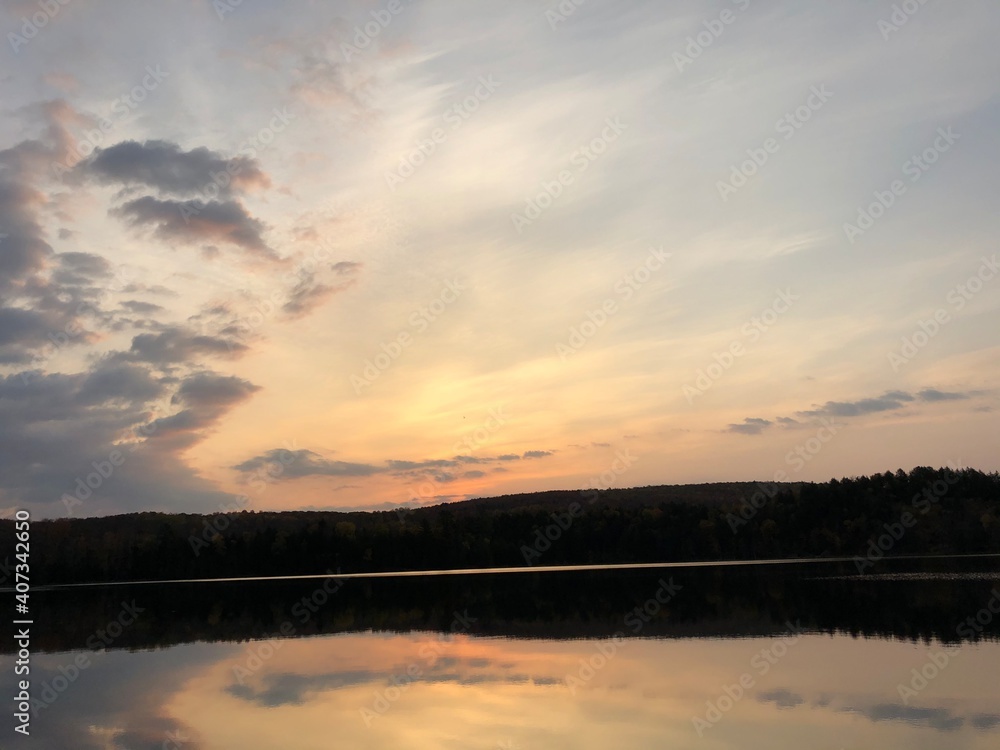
{"x":939,"y":718}
{"x":117,"y":702}
{"x":290,"y":688}
{"x":781,"y":698}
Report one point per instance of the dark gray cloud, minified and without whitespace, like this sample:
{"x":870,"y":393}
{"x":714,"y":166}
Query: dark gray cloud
{"x":56,"y":430}
{"x":208,"y":390}
{"x":290,"y":689}
{"x":48,"y":300}
{"x":750,"y":426}
{"x":140,"y":307}
{"x":434,"y":463}
{"x":114,"y":381}
{"x":781,"y":697}
{"x":197,"y":221}
{"x":536,"y":454}
{"x":176,"y":344}
{"x":941,"y":719}
{"x":80,"y":269}
{"x":301,"y":463}
{"x":203,"y":399}
{"x":985,"y":721}
{"x":932,"y":394}
{"x":170,"y":170}
{"x":889,"y":401}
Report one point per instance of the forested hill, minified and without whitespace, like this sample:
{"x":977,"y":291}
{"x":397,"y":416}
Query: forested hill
{"x":925,"y":511}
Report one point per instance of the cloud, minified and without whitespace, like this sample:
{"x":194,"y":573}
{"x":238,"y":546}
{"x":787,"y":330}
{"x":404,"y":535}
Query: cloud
{"x":204,"y":398}
{"x":536,"y":454}
{"x":312,"y":290}
{"x":47,"y":299}
{"x":55,"y":429}
{"x":197,"y":221}
{"x":78,"y":269}
{"x":889,"y":401}
{"x":985,"y":721}
{"x":176,"y":344}
{"x":750,"y":426}
{"x":932,"y":394}
{"x":287,"y":688}
{"x":164,"y":166}
{"x":937,"y":718}
{"x":781,"y":697}
{"x":208,"y":390}
{"x":118,"y":381}
{"x":302,"y":463}
{"x":143,"y":308}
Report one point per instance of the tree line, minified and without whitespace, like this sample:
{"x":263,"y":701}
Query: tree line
{"x":924,"y":511}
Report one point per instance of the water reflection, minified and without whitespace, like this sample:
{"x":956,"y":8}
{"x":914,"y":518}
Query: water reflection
{"x":751,"y":662}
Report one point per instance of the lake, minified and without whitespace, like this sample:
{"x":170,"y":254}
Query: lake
{"x":767,"y":656}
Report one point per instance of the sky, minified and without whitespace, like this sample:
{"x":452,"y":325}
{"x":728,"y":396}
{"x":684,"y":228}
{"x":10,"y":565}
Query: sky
{"x":366,"y":255}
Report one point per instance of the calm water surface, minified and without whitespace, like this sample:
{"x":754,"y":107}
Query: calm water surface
{"x":775,"y":657}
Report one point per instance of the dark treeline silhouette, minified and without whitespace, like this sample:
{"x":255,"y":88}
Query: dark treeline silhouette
{"x":925,"y":511}
{"x":757,"y":601}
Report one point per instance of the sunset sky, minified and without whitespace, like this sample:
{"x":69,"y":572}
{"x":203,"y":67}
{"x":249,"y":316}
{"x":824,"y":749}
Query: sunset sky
{"x":373,"y":254}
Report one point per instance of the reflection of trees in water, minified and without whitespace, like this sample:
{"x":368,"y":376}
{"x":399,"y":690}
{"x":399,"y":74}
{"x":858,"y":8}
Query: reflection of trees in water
{"x":712,"y":602}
